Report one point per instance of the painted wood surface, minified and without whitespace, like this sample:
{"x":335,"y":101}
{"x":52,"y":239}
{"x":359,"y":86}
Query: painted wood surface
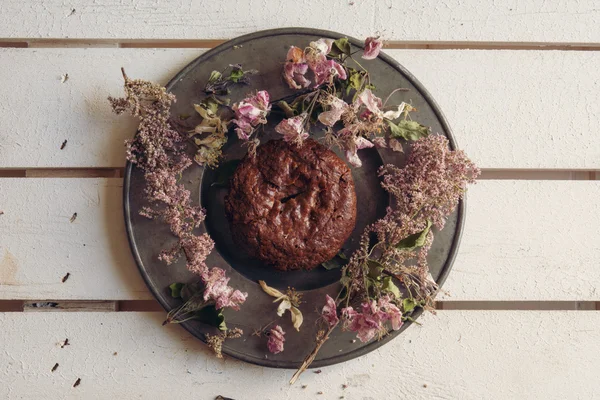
{"x":428,"y":20}
{"x":543,"y":112}
{"x":454,"y":355}
{"x":523,"y":240}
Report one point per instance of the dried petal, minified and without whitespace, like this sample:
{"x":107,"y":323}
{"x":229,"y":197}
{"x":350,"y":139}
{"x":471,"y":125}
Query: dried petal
{"x":373,"y":46}
{"x":276,"y":340}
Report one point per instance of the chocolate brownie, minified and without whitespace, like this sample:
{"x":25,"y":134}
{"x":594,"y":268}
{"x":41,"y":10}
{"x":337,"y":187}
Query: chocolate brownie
{"x":291,"y":207}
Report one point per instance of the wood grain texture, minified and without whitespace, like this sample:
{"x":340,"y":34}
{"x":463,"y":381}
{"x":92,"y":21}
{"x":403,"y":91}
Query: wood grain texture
{"x":523,"y":240}
{"x":454,"y":355}
{"x":430,"y":20}
{"x":39,"y":245}
{"x":508,"y":109}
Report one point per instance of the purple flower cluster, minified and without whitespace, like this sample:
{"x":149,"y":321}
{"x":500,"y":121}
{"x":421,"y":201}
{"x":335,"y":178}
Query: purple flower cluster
{"x":157,"y":150}
{"x":276,"y":340}
{"x":432,"y":182}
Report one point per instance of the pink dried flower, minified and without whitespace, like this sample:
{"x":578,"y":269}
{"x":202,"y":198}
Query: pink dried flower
{"x":370,"y":322}
{"x":373,"y":46}
{"x":251,"y":112}
{"x":276,"y":340}
{"x":325,"y":70}
{"x":432,"y":182}
{"x":322,"y":45}
{"x":329,"y":311}
{"x":293,"y":129}
{"x":196,"y":249}
{"x":294,"y":75}
{"x":218,"y":290}
{"x":351,"y":144}
{"x":337,"y":108}
{"x":295,"y":68}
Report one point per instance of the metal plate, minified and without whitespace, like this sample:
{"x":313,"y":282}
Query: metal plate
{"x":265,"y":51}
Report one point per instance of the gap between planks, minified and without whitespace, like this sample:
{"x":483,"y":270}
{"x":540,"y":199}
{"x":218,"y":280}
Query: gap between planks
{"x":152,"y":305}
{"x":497,"y":174}
{"x":203,"y":43}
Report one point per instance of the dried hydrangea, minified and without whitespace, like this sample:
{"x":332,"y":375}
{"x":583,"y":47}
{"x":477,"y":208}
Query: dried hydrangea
{"x":276,"y":340}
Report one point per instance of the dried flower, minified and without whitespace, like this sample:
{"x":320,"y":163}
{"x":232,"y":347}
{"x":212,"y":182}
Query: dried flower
{"x":329,"y":311}
{"x":157,"y":149}
{"x":370,"y":322}
{"x":293,"y":129}
{"x":287,"y":303}
{"x":295,"y":68}
{"x":251,"y":112}
{"x":314,"y":57}
{"x":217,"y":290}
{"x":432,"y":182}
{"x":276,"y":340}
{"x":373,"y":46}
{"x":337,"y":107}
{"x":215,"y":342}
{"x":219,"y":82}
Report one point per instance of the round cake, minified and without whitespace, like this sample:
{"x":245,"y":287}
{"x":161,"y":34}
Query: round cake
{"x":291,"y":207}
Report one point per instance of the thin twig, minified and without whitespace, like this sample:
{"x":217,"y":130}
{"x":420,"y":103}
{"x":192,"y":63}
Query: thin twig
{"x":311,"y":357}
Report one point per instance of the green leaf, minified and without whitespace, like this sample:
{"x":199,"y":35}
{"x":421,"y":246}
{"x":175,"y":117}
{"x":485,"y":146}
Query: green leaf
{"x":335,"y":262}
{"x":340,"y":46}
{"x":214,"y":76}
{"x":189,"y":290}
{"x":356,"y":80}
{"x":408,"y":305}
{"x":287,"y":109}
{"x":389,"y":286}
{"x":375,"y":269}
{"x":176,"y":289}
{"x":236,"y":74}
{"x":415,"y":240}
{"x":211,"y":316}
{"x":408,"y":130}
{"x":225,"y":172}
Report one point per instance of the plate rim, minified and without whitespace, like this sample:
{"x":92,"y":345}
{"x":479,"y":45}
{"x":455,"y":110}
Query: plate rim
{"x":460,"y":209}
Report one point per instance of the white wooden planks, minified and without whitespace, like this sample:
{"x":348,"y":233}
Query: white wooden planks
{"x":508,"y":109}
{"x":428,"y":20}
{"x":523,"y":240}
{"x":454,"y":355}
{"x":39,"y":245}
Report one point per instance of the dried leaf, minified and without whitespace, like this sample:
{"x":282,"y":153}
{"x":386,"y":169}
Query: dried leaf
{"x":389,"y":286}
{"x":408,"y":130}
{"x":415,"y":240}
{"x":339,"y":47}
{"x":271,"y":291}
{"x":297,"y":318}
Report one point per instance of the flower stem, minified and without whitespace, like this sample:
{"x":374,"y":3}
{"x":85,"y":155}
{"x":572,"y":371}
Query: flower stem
{"x":313,"y":354}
